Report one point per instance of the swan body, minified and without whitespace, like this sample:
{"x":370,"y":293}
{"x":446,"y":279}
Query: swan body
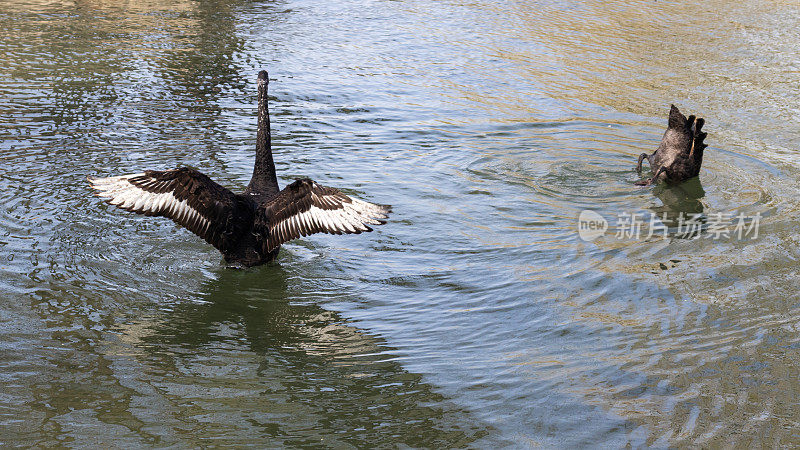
{"x":680,"y":154}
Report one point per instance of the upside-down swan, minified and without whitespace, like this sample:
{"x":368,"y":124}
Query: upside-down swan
{"x":680,"y":154}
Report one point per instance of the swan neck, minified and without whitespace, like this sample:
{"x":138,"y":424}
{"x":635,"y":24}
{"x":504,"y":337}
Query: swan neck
{"x":264,"y":178}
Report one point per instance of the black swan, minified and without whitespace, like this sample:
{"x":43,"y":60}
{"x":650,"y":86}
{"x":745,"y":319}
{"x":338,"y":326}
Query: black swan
{"x":247,"y":228}
{"x":680,"y":154}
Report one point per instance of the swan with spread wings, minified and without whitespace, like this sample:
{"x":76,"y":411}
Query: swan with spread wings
{"x":247,"y":228}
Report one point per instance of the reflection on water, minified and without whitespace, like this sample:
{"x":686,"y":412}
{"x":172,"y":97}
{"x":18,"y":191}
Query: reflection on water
{"x":477,"y":316}
{"x":678,"y":201}
{"x":237,"y":364}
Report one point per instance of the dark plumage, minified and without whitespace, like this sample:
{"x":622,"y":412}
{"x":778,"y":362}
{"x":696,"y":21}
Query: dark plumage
{"x":246,"y":228}
{"x":680,"y":154}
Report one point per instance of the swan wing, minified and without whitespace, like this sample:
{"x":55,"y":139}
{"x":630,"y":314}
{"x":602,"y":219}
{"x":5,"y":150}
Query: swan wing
{"x":184,"y":195}
{"x":305,"y":207}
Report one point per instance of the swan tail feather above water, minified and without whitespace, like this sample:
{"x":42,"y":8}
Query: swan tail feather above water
{"x":699,"y":139}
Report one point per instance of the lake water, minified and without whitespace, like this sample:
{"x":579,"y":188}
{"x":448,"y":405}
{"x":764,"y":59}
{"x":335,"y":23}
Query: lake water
{"x":477,"y":316}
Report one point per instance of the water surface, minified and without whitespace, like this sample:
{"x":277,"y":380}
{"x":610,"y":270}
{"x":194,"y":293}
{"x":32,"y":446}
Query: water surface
{"x":476,"y":317}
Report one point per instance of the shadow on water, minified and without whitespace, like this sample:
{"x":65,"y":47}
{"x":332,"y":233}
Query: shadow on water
{"x":297,"y":374}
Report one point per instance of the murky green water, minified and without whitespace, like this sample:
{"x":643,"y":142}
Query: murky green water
{"x":476,"y":317}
